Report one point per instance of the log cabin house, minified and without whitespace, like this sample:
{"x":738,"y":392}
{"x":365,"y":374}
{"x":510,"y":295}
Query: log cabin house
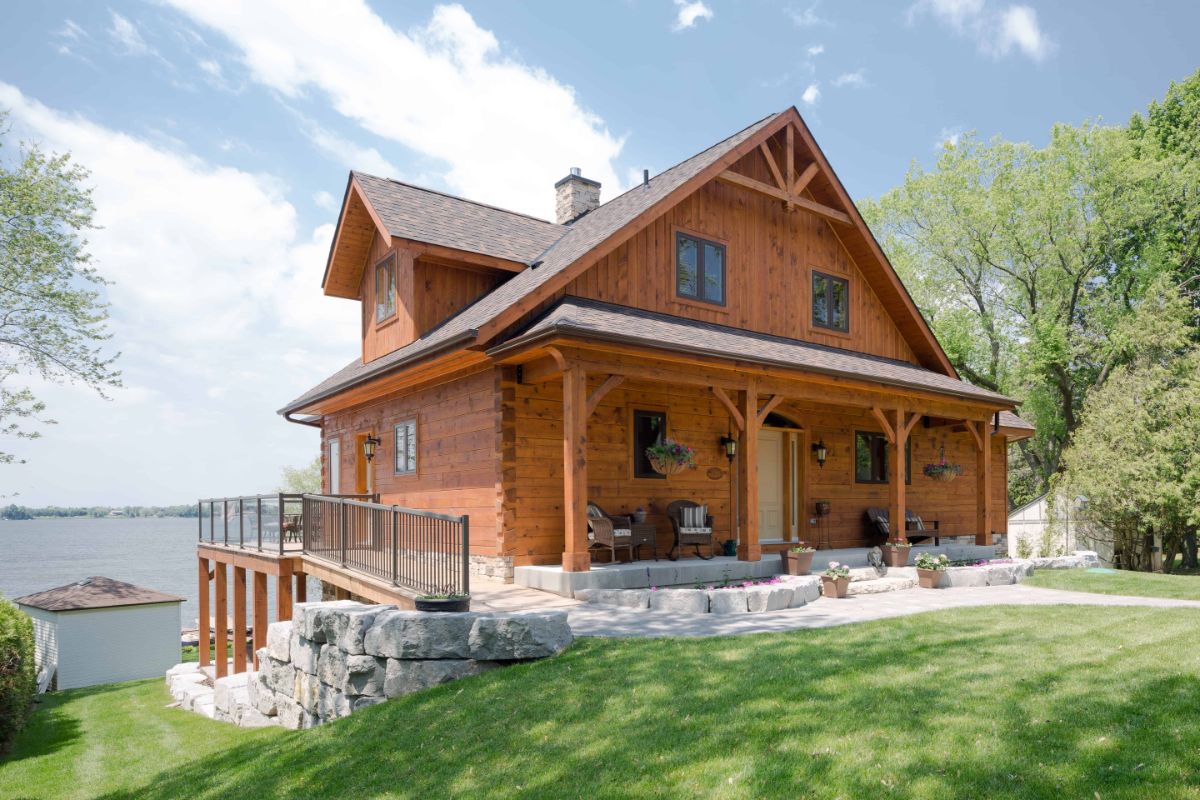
{"x":514,"y":369}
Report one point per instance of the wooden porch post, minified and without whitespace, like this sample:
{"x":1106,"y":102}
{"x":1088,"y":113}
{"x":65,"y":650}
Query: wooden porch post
{"x":983,"y":484}
{"x":205,"y":629}
{"x":748,"y":547}
{"x":301,"y":589}
{"x":221,"y":612}
{"x":260,"y":614}
{"x":575,"y":472}
{"x":898,"y":511}
{"x":239,"y":619}
{"x":283,"y":593}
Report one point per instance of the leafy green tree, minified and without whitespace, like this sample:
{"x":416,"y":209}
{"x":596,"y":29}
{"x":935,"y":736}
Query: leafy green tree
{"x":52,"y":317}
{"x":303,"y":480}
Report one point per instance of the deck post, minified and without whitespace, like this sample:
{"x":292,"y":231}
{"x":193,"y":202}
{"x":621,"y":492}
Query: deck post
{"x":239,"y":619}
{"x":260,"y":613}
{"x":748,"y":548}
{"x":897,"y":511}
{"x":983,"y":485}
{"x":575,"y":470}
{"x":225,"y":518}
{"x":258,"y":522}
{"x":221,"y":623}
{"x":204,"y":628}
{"x":283,"y":592}
{"x":301,"y":588}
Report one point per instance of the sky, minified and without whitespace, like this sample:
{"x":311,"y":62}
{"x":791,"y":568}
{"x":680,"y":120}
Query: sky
{"x":219,"y":135}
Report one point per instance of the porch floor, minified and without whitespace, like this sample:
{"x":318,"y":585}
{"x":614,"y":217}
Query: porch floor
{"x":641,"y":574}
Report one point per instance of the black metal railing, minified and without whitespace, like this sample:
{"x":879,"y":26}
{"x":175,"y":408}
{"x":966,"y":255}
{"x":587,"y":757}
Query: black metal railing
{"x":420,"y":550}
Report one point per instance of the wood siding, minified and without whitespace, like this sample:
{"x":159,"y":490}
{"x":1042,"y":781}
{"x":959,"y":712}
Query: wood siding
{"x":456,"y":450}
{"x":770,"y":254}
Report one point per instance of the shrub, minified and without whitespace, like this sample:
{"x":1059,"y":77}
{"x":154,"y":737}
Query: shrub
{"x":1024,"y":548}
{"x":18,"y":679}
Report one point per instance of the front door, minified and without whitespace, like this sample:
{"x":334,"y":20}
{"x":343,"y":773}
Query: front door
{"x":770,"y":485}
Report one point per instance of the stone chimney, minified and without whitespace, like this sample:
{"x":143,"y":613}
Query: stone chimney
{"x":575,"y":196}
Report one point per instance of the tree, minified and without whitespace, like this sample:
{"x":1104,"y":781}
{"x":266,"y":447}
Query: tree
{"x":52,"y":318}
{"x":303,"y":480}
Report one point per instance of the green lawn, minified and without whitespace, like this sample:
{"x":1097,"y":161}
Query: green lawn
{"x":1139,"y":584}
{"x":1052,"y":702}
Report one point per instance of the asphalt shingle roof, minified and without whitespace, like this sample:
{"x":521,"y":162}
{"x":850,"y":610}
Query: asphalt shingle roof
{"x":95,"y":592}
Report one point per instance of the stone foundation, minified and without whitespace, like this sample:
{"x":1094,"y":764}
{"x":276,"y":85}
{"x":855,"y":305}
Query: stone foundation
{"x":336,"y":658}
{"x":497,"y":568}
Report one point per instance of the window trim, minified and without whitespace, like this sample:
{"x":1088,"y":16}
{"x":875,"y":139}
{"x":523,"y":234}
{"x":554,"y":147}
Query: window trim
{"x":823,"y":327}
{"x":701,"y":240}
{"x":635,"y":414}
{"x":886,"y":476}
{"x":416,"y":447}
{"x":388,"y":261}
{"x":333,"y":464}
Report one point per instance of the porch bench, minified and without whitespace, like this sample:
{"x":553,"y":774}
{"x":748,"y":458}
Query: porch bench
{"x":916,"y":529}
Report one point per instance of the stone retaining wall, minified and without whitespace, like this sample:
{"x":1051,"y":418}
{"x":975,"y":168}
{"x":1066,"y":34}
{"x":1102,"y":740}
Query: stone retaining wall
{"x":338,"y":657}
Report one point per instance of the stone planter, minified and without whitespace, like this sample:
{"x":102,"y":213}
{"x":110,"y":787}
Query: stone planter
{"x":929,"y":578}
{"x":442,"y":604}
{"x":835,"y":587}
{"x":895,"y":556}
{"x":796,"y":563}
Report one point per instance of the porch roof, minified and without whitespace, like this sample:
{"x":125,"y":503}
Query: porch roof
{"x":592,"y":319}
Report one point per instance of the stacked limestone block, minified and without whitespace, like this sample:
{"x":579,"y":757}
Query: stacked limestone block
{"x":338,"y":657}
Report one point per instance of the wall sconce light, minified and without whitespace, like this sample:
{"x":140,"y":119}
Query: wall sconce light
{"x":730,"y":445}
{"x":369,"y":445}
{"x":821,"y":451}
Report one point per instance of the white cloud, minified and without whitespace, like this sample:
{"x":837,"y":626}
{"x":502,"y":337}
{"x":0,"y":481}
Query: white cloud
{"x":948,"y":137}
{"x":348,"y":154}
{"x":211,"y":68}
{"x":995,"y":33}
{"x":815,"y":50}
{"x":807,"y":17}
{"x":856,"y":78}
{"x":325,"y":201}
{"x":70,"y":39}
{"x":811,"y":95}
{"x":689,"y":13}
{"x":498,"y":130}
{"x":128,"y":37}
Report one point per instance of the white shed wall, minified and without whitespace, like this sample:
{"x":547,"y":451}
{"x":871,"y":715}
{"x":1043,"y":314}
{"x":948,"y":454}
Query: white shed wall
{"x":45,"y":637}
{"x":106,"y":645}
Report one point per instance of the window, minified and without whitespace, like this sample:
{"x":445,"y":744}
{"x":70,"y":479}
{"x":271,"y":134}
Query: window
{"x":830,"y":302}
{"x":648,"y":428}
{"x":406,"y":447}
{"x":871,"y":458}
{"x":334,"y":465}
{"x":699,"y":269}
{"x":385,"y":289}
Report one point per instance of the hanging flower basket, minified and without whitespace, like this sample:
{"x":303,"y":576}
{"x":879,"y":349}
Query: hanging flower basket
{"x":943,"y":472}
{"x":668,"y":457}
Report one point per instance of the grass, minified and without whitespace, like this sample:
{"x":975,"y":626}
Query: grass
{"x":1038,"y":702}
{"x":1138,"y":584}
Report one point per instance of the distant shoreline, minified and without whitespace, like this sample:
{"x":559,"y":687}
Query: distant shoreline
{"x":16,"y":512}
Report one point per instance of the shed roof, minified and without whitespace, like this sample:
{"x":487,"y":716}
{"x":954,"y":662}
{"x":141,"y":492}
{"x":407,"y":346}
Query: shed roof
{"x":95,"y":592}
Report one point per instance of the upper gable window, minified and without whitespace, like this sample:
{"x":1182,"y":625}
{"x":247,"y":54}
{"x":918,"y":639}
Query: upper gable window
{"x":699,"y":269}
{"x":385,"y":289}
{"x":830,"y":302}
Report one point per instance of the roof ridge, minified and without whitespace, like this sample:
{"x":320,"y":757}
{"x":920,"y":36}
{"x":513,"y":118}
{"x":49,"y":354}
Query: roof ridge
{"x":460,"y":199}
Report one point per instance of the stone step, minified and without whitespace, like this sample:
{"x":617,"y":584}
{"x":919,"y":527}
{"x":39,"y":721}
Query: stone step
{"x":880,"y":585}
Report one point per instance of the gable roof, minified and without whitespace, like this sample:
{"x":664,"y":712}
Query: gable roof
{"x":587,"y":238}
{"x":95,"y":592}
{"x":594,"y":319}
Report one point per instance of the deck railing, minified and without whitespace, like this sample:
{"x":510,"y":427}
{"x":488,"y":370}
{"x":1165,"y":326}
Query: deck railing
{"x":419,"y":550}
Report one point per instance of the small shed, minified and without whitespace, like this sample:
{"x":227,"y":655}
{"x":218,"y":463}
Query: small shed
{"x":99,"y":630}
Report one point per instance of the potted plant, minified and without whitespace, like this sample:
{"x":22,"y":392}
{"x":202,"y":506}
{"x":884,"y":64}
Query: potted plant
{"x":797,"y":560}
{"x":895,"y":552}
{"x":729,"y":547}
{"x":943,"y":471}
{"x":823,"y":508}
{"x":835,"y":580}
{"x":444,"y":600}
{"x":639,"y":515}
{"x":669,"y":457}
{"x":930,"y":569}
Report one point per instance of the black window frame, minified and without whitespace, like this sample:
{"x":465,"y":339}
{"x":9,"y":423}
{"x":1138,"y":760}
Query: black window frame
{"x":389,"y":264}
{"x":876,"y":436}
{"x":829,"y":306}
{"x":410,"y":427}
{"x":702,"y":270}
{"x":641,"y":464}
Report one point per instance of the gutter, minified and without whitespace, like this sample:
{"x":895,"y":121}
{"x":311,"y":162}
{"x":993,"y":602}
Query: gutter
{"x":310,"y":421}
{"x":568,"y":328}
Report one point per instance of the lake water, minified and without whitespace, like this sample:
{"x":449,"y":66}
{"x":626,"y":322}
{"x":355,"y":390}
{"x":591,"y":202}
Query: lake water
{"x":150,"y":552}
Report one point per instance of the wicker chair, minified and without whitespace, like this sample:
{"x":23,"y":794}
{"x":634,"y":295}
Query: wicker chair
{"x":606,"y":532}
{"x":916,"y":529}
{"x":690,"y":534}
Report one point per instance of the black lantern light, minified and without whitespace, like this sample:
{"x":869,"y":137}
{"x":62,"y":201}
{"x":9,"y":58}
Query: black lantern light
{"x":821,"y":451}
{"x":730,"y":445}
{"x":369,"y":445}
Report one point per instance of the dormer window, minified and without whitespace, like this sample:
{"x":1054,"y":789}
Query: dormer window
{"x":699,"y":269}
{"x":830,"y":302}
{"x":385,"y":289}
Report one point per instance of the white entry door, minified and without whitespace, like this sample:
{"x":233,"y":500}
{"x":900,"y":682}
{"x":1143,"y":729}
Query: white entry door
{"x":770,"y":484}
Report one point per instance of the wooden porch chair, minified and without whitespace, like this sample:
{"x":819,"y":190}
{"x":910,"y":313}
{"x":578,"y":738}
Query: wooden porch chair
{"x":606,"y":532}
{"x":915,"y":529}
{"x":687,"y":531}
